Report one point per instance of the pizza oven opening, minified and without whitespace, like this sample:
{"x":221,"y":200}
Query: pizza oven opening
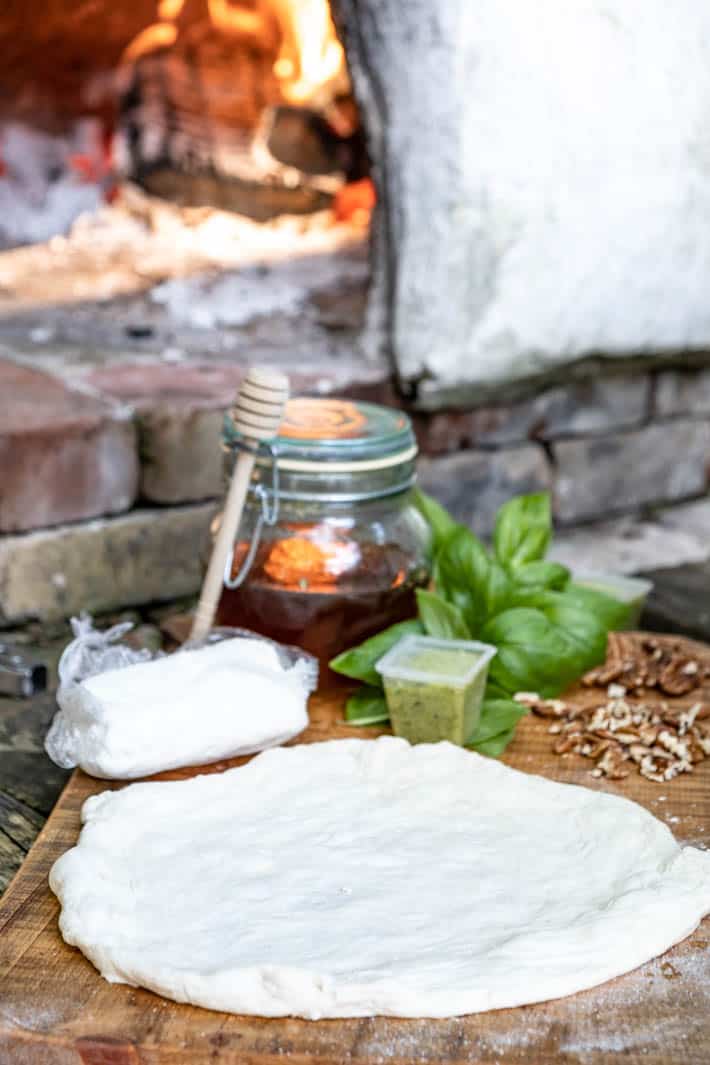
{"x":151,"y":142}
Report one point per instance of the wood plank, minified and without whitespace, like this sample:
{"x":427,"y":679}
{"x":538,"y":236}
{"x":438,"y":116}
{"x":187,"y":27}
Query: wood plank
{"x":19,"y":822}
{"x":12,"y":856}
{"x":55,"y":1008}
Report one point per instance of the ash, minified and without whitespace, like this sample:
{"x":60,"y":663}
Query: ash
{"x":145,"y":274}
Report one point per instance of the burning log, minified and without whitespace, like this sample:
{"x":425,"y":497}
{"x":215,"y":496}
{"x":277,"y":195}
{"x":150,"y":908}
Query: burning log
{"x":212,"y":102}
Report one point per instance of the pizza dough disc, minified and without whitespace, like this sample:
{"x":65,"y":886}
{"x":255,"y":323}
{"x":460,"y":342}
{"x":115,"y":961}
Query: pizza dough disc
{"x":360,"y":877}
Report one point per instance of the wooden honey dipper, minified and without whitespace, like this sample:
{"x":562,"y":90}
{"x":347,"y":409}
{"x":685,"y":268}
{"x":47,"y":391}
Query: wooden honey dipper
{"x":257,"y":415}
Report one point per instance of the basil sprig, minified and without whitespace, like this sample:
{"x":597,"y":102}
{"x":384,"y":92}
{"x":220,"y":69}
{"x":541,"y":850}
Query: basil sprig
{"x":548,"y":631}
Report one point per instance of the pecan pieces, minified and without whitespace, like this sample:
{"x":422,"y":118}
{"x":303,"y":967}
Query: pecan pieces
{"x":649,"y":663}
{"x":619,"y":734}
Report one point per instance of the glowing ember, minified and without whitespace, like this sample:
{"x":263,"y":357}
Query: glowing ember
{"x":355,"y":202}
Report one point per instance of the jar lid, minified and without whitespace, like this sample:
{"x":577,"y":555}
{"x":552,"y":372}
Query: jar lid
{"x":346,"y":434}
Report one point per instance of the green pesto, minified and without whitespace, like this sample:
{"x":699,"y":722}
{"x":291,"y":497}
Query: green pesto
{"x":427,"y":712}
{"x":451,"y":662}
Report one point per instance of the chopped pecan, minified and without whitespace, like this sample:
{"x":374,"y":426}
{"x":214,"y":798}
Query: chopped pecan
{"x":530,"y":699}
{"x":542,"y":707}
{"x":675,"y":678}
{"x":627,"y":738}
{"x":701,"y":738}
{"x":695,"y":751}
{"x":591,"y":747}
{"x":648,"y":734}
{"x":603,"y":676}
{"x":687,"y":718}
{"x":566,"y":743}
{"x":612,"y":762}
{"x":670,"y":742}
{"x":630,"y":726}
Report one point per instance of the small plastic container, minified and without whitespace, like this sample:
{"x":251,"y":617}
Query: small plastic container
{"x":434,"y":688}
{"x":631,"y":591}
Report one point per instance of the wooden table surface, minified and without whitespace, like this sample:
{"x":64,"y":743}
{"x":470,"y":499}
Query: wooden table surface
{"x":56,"y":1010}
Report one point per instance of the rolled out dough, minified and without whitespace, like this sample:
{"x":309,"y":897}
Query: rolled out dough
{"x":358,"y":877}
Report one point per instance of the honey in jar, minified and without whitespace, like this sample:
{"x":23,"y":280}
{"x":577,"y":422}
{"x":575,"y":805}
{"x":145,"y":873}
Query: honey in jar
{"x":331,"y":548}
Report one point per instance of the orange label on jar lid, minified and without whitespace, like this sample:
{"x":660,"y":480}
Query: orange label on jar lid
{"x":322,"y":419}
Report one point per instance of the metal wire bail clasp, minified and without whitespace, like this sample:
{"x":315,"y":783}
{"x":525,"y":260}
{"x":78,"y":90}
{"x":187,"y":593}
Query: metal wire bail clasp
{"x":268,"y":511}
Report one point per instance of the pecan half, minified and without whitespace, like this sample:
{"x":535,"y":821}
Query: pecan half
{"x":675,"y":678}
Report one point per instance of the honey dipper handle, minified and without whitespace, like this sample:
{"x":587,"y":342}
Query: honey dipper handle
{"x":257,"y":416}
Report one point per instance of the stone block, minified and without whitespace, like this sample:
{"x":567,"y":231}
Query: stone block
{"x":146,"y":556}
{"x":587,"y":407}
{"x":65,"y":454}
{"x":630,"y":545}
{"x":692,"y":519}
{"x":593,"y":406}
{"x":472,"y":485}
{"x":683,"y":392}
{"x":179,"y":411}
{"x":622,"y":472}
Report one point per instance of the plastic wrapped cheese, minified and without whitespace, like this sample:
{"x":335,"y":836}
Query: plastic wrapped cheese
{"x":124,"y":715}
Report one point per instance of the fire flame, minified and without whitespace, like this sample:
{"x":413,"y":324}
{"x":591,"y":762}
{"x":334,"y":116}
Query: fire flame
{"x":310,"y":64}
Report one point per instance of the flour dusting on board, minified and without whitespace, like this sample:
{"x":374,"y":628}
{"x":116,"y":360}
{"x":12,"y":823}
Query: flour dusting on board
{"x":645,"y":997}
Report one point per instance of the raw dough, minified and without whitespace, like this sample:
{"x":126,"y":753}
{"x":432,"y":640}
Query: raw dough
{"x":190,"y":708}
{"x":358,"y":877}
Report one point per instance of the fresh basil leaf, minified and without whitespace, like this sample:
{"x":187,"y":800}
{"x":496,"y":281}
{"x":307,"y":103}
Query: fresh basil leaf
{"x":440,"y":618}
{"x":457,"y":594}
{"x":439,"y":520}
{"x":367,"y":706}
{"x":497,"y":716}
{"x":461,"y":576}
{"x":523,"y":530}
{"x":494,"y":691}
{"x":542,"y":574}
{"x":578,"y":619}
{"x":611,"y":612}
{"x":495,"y":746}
{"x":463,"y":560}
{"x":535,"y":653}
{"x":359,"y":662}
{"x":498,"y":589}
{"x":579,"y":624}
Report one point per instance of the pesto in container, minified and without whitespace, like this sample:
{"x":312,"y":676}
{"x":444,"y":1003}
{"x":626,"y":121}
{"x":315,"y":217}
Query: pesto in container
{"x":434,"y":688}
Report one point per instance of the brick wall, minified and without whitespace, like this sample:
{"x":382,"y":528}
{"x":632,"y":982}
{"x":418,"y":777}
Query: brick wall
{"x":108,"y":477}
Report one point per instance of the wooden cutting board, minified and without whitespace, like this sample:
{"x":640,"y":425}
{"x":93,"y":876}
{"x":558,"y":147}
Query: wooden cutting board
{"x":55,"y":1009}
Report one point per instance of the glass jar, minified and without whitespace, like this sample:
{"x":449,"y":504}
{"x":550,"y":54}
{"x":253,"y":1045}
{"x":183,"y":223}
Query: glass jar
{"x":331,"y":547}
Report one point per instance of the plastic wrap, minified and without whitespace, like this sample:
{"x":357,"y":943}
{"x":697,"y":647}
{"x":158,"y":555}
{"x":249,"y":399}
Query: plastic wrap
{"x":199,"y":705}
